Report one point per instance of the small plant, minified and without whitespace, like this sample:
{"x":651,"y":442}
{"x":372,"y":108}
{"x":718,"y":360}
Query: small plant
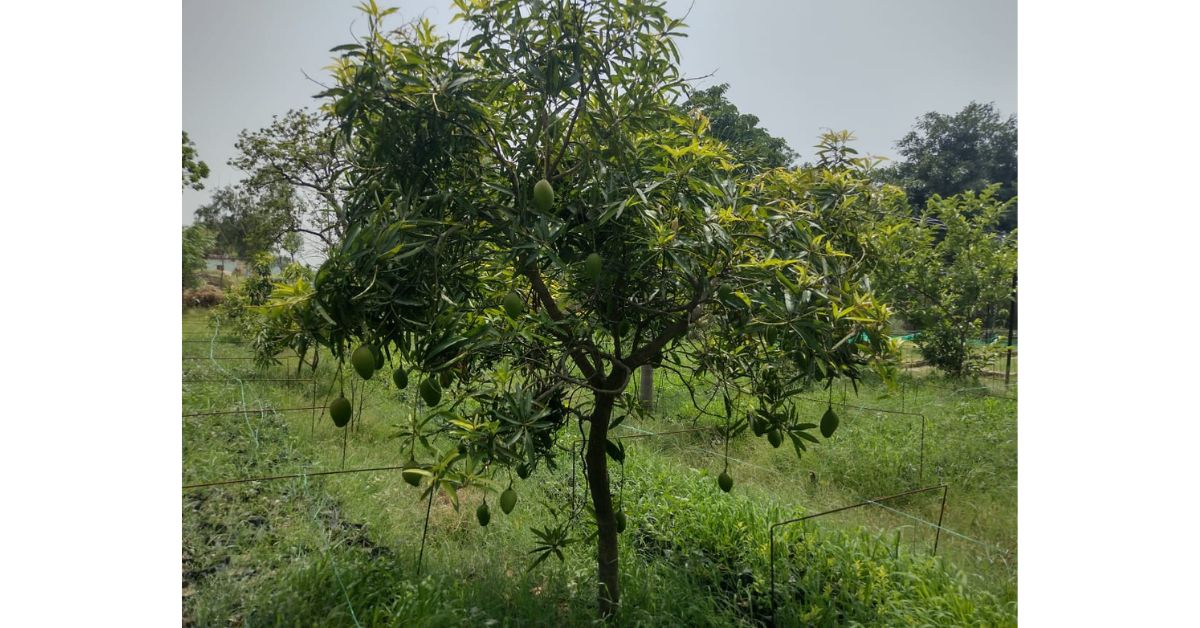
{"x":257,"y":286}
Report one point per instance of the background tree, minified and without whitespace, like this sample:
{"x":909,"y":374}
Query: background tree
{"x":292,"y":242}
{"x":945,"y":270}
{"x":300,"y":150}
{"x":531,"y":219}
{"x":751,"y":144}
{"x":194,"y":171}
{"x":197,"y":243}
{"x":968,"y":151}
{"x":248,"y":221}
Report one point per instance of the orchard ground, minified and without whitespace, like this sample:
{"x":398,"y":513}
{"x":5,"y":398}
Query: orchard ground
{"x":343,"y":549}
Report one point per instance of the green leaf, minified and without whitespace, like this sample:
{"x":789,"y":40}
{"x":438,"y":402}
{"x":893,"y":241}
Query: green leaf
{"x":616,"y":452}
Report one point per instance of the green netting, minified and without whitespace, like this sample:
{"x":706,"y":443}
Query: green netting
{"x":999,"y":340}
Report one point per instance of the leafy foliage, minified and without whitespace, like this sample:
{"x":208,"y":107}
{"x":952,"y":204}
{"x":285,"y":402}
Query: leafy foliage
{"x":197,"y":242}
{"x":826,"y":577}
{"x":753,"y":145}
{"x":755,"y":280}
{"x":300,"y":151}
{"x":257,"y":286}
{"x":194,"y":170}
{"x":248,"y":221}
{"x":968,"y":151}
{"x":242,"y":310}
{"x":943,"y":270}
{"x":292,"y":242}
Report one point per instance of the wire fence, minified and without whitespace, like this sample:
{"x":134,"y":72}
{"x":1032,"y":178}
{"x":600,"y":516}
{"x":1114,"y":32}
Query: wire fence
{"x":875,"y":501}
{"x":639,"y":433}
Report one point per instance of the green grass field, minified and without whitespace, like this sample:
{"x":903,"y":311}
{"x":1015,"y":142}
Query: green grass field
{"x":343,"y":549}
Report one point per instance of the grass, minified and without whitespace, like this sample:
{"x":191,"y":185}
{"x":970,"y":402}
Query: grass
{"x":342,"y":549}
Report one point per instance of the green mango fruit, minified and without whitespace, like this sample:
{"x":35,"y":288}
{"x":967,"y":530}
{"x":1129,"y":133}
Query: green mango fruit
{"x":592,"y":266}
{"x":621,"y":521}
{"x":775,"y":438}
{"x":543,"y":195}
{"x":483,"y":515}
{"x":508,"y":500}
{"x":430,"y":392}
{"x":829,"y":422}
{"x":340,"y":411}
{"x":513,"y":305}
{"x":444,"y":378}
{"x":400,"y":378}
{"x":409,"y":473}
{"x":523,"y":471}
{"x":363,"y":361}
{"x":725,"y":481}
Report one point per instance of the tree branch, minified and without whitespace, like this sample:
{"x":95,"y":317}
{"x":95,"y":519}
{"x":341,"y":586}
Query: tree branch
{"x":672,"y":331}
{"x":539,"y":288}
{"x":323,"y":237}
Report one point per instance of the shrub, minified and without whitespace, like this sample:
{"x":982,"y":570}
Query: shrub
{"x":204,"y":296}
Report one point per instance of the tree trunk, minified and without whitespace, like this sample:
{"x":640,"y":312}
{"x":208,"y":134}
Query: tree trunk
{"x":606,"y":520}
{"x":646,"y":387}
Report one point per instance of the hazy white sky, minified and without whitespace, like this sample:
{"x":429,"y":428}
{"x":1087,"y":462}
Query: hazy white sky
{"x":870,"y":66}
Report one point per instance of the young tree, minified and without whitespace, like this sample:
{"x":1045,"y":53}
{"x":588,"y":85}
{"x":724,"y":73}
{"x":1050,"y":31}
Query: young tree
{"x":968,"y":151}
{"x":292,"y":242}
{"x":194,"y":171}
{"x":197,"y":242}
{"x":945,"y":269}
{"x":531,"y":219}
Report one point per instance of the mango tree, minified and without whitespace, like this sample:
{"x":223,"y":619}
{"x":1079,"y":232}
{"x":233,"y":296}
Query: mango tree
{"x":531,"y":219}
{"x":945,"y":270}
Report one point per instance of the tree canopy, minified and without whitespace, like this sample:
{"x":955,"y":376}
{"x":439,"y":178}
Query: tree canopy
{"x":752,"y":144}
{"x":299,"y":150}
{"x":947,"y":154}
{"x":248,"y":221}
{"x":531,"y":217}
{"x":946,"y":270}
{"x":194,"y":170}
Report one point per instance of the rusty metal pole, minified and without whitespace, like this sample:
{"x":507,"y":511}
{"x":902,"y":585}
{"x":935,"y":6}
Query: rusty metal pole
{"x":646,"y":387}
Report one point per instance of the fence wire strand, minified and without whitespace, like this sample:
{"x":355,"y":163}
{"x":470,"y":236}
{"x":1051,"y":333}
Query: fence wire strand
{"x":641,"y":434}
